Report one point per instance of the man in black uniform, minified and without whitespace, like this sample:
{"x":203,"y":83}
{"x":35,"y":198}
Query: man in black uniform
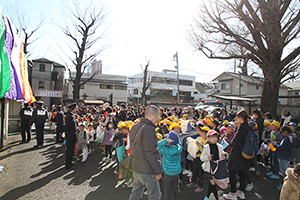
{"x":122,"y":116}
{"x":70,"y":130}
{"x":26,"y":120}
{"x":40,"y":115}
{"x":60,"y":122}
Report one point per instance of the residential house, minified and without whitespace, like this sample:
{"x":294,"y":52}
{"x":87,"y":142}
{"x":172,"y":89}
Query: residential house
{"x":48,"y":80}
{"x":294,"y":91}
{"x":238,"y":85}
{"x":203,"y":91}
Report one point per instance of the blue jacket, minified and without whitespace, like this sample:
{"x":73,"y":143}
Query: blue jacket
{"x":171,"y":157}
{"x":285,"y":148}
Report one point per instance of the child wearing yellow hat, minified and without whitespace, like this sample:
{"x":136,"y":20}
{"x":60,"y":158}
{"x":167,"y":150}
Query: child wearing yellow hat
{"x":275,"y":136}
{"x":198,"y":173}
{"x":175,"y":128}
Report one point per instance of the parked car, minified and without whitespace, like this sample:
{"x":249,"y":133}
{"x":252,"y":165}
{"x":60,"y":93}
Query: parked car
{"x":205,"y":105}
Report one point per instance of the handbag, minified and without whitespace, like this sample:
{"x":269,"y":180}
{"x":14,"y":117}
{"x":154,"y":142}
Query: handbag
{"x":219,"y":173}
{"x":100,"y":137}
{"x":120,"y":151}
{"x":127,"y":161}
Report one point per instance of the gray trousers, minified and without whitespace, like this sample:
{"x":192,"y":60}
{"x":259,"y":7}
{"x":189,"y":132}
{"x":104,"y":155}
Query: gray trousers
{"x":170,"y":187}
{"x":296,"y":156}
{"x":142,"y":181}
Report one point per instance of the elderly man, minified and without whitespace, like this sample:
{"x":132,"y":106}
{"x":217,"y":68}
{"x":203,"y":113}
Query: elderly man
{"x":145,"y":156}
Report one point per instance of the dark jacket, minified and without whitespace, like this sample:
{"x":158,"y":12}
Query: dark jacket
{"x":40,"y":115}
{"x":122,"y":116}
{"x":285,"y":148}
{"x":145,"y":154}
{"x":26,"y":115}
{"x":70,"y":127}
{"x":236,"y":161}
{"x":260,"y":126}
{"x":60,"y":121}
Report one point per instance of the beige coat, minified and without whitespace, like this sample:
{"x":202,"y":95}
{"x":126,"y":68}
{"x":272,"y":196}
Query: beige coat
{"x":291,"y":187}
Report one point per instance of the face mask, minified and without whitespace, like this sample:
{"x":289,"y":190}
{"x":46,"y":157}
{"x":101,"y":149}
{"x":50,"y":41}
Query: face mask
{"x":254,"y":117}
{"x":110,"y":126}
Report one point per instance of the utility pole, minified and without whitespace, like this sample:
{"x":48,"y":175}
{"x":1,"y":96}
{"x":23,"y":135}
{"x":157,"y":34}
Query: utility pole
{"x":175,"y":57}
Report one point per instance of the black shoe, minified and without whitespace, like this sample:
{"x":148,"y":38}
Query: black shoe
{"x":27,"y":141}
{"x":72,"y":167}
{"x":22,"y":142}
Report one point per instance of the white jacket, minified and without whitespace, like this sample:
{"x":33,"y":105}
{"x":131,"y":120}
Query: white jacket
{"x":204,"y":156}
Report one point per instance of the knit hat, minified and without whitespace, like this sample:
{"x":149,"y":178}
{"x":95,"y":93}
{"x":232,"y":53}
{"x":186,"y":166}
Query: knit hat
{"x":175,"y":137}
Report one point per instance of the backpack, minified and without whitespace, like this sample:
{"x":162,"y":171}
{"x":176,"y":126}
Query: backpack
{"x":250,"y":148}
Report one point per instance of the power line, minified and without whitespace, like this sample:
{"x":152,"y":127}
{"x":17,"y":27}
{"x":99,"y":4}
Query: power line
{"x":198,"y":72}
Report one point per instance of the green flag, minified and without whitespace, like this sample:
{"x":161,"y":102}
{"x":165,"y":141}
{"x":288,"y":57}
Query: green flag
{"x":4,"y":61}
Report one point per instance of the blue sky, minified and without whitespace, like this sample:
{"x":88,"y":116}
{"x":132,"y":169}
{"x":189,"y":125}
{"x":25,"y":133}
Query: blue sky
{"x":137,"y":29}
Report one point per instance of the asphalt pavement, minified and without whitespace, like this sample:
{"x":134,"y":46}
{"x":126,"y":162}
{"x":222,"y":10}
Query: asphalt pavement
{"x":31,"y":173}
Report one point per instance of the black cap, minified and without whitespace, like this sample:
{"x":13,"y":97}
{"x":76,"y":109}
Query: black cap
{"x":72,"y":106}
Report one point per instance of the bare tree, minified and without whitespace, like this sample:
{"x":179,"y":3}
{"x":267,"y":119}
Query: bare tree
{"x":83,"y":36}
{"x":26,"y":30}
{"x":147,"y":83}
{"x":268,"y":31}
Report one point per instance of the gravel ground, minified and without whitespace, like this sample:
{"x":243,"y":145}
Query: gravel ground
{"x":31,"y":173}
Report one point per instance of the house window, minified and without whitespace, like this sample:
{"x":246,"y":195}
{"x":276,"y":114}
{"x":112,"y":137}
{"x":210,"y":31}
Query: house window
{"x":257,"y":87}
{"x":106,"y":86}
{"x":82,"y":86}
{"x":225,"y":86}
{"x":41,"y":84}
{"x":42,"y":67}
{"x":136,"y":91}
{"x":242,"y":85}
{"x":120,"y":87}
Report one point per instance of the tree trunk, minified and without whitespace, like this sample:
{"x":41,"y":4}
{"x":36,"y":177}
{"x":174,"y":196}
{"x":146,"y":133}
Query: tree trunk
{"x":269,"y":99}
{"x":76,"y":88}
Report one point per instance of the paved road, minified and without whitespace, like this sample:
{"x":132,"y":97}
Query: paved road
{"x":40,"y":174}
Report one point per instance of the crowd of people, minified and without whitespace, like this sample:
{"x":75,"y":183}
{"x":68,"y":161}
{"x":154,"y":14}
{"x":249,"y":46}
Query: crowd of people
{"x":169,"y":143}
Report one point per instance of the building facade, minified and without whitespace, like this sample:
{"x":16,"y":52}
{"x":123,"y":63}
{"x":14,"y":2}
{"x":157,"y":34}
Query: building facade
{"x":103,"y":87}
{"x":234,"y":84}
{"x":163,"y":88}
{"x":48,"y":80}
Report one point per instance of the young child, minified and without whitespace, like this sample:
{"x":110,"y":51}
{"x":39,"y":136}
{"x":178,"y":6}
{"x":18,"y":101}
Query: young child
{"x":198,"y":173}
{"x":82,"y":141}
{"x":265,"y":137}
{"x":91,"y":133}
{"x":275,"y":136}
{"x":108,"y":141}
{"x":212,"y":150}
{"x":119,"y":139}
{"x":171,"y":150}
{"x":284,"y":149}
{"x":290,"y":189}
{"x":228,"y":137}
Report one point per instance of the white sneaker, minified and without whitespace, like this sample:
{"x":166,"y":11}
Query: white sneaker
{"x":146,"y":193}
{"x":185,"y":172}
{"x":249,"y":187}
{"x":240,"y":194}
{"x":230,"y":196}
{"x":252,"y":169}
{"x":190,"y":174}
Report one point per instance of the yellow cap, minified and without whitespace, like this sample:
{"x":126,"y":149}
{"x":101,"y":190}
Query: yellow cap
{"x":267,"y":123}
{"x":225,"y":122}
{"x":276,"y":123}
{"x":205,"y":128}
{"x":174,"y":125}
